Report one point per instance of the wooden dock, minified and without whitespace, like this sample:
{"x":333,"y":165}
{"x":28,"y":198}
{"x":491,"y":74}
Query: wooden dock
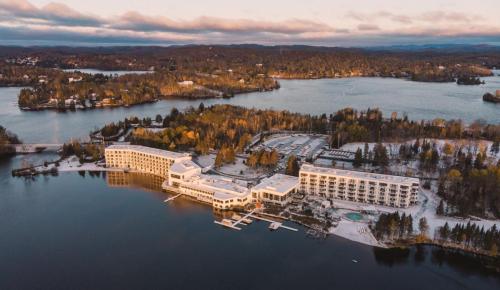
{"x":233,"y":225}
{"x":172,"y":198}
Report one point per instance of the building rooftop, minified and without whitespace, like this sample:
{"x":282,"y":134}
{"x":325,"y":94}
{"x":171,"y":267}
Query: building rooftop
{"x":358,"y":174}
{"x":149,"y":150}
{"x":278,"y":183}
{"x":218,"y":184}
{"x":184,"y":166}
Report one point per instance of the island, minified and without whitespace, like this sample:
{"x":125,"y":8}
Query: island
{"x":470,"y":81}
{"x":201,"y":71}
{"x":491,"y":98}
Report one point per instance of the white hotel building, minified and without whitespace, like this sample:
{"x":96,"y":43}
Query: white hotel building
{"x":388,"y":190}
{"x":277,"y":189}
{"x":221,"y":192}
{"x":142,"y":159}
{"x":184,"y":176}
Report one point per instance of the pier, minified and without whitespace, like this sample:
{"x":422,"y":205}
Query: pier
{"x":172,"y":198}
{"x":35,"y":148}
{"x":233,"y":225}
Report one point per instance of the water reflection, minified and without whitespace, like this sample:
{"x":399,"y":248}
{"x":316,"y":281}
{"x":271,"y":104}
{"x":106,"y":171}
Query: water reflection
{"x":137,"y":180}
{"x":422,"y":255}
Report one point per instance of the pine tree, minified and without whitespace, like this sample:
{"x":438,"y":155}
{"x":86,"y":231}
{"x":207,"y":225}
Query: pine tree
{"x":292,"y":166}
{"x":440,"y":208}
{"x":358,"y":158}
{"x":219,"y":159}
{"x":423,"y":226}
{"x":444,"y":231}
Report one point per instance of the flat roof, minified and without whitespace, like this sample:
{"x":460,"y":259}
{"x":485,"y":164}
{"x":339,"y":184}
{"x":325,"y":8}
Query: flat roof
{"x":358,"y":174}
{"x":217,"y":184}
{"x":279,"y":183}
{"x":183,"y":166}
{"x":149,"y":150}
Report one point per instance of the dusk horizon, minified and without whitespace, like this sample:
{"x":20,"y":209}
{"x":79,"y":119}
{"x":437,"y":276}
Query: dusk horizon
{"x":337,"y":23}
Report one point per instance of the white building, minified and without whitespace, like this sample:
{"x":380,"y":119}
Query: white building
{"x":142,"y":159}
{"x":182,"y":171}
{"x":186,"y":83}
{"x":276,"y":189}
{"x":220,"y":192}
{"x":388,"y":190}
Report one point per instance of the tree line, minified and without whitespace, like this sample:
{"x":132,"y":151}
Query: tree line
{"x":7,"y":138}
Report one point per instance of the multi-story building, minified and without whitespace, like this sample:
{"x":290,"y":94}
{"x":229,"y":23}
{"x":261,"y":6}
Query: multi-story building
{"x":142,"y":159}
{"x":220,"y":192}
{"x":380,"y":189}
{"x":276,"y":189}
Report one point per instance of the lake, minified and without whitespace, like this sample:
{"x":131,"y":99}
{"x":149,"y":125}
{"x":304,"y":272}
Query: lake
{"x":83,"y":232}
{"x":74,"y":232}
{"x":418,"y":100}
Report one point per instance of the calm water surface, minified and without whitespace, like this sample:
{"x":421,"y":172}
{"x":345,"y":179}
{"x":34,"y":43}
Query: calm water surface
{"x":418,"y":100}
{"x":74,"y":232}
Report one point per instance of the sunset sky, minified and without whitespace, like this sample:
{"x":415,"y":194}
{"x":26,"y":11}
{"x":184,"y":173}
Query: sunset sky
{"x":314,"y":22}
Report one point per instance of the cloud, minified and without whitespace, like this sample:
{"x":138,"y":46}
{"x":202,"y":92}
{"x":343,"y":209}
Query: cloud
{"x":436,"y":16}
{"x":20,"y":19}
{"x":61,"y":14}
{"x":55,"y":13}
{"x":368,"y":27}
{"x":138,"y":22}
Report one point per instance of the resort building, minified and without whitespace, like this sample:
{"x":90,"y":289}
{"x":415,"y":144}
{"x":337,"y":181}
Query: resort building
{"x":142,"y":159}
{"x":220,"y":192}
{"x":276,"y":189}
{"x":182,"y":171}
{"x":388,"y":190}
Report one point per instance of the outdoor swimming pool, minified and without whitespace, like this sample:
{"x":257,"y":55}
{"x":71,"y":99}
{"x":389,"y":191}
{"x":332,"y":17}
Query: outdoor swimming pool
{"x":354,"y":216}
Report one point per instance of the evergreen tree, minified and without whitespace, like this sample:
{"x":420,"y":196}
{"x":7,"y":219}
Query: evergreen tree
{"x":358,"y":158}
{"x":423,"y":226}
{"x":292,"y":166}
{"x":440,"y":208}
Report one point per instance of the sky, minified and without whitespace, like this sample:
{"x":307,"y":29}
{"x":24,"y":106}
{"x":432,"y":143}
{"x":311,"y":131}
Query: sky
{"x":268,"y":22}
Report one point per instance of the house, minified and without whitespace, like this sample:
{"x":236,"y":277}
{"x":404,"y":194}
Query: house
{"x":185,"y":83}
{"x":75,"y":79}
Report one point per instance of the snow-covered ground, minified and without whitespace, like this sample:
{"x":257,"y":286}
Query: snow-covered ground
{"x":355,"y":231}
{"x":72,"y":164}
{"x":473,"y":146}
{"x":240,"y":169}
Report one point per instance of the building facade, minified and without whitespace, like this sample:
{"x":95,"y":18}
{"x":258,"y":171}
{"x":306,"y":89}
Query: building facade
{"x":277,"y":189}
{"x":142,"y":159}
{"x":220,"y":192}
{"x":380,"y":189}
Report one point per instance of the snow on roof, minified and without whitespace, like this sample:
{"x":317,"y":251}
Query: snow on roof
{"x":149,"y":150}
{"x":183,"y":166}
{"x":278,"y":183}
{"x":218,"y":184}
{"x":307,"y":168}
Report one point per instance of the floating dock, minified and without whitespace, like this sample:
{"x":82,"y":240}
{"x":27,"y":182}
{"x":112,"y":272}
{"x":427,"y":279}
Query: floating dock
{"x":246,"y":219}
